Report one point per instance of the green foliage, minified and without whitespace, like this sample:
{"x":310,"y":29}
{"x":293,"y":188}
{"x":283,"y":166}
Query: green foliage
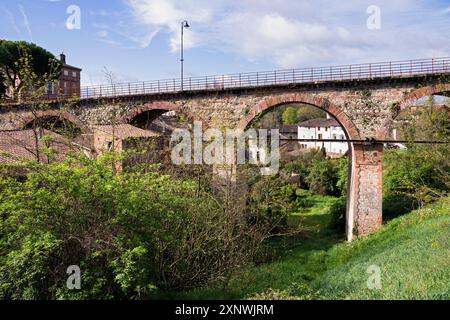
{"x":323,"y":177}
{"x":338,"y":212}
{"x":129,"y":232}
{"x":290,"y":116}
{"x":317,"y":173}
{"x":271,"y":200}
{"x":343,"y":175}
{"x":21,"y":63}
{"x":420,"y":174}
{"x":307,"y":112}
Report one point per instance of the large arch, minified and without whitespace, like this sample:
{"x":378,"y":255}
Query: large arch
{"x":29,"y":118}
{"x":364,"y":200}
{"x":158,"y":107}
{"x":321,"y":103}
{"x":439,"y":89}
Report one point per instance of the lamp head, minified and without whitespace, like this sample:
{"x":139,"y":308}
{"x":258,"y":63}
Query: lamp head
{"x":186,"y":24}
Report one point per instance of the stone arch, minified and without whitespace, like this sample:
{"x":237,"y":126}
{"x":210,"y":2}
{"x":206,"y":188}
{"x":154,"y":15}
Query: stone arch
{"x":415,"y":95}
{"x":364,"y":164}
{"x":30,"y":118}
{"x":321,"y":103}
{"x":153,"y":106}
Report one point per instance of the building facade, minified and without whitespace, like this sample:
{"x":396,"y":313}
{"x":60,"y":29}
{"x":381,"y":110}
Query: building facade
{"x":323,"y":129}
{"x":69,"y":82}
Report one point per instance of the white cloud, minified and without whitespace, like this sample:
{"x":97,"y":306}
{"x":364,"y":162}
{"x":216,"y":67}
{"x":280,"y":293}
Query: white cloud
{"x":446,"y":11}
{"x":102,"y":33}
{"x":13,"y":21}
{"x":295,"y":33}
{"x":26,"y":22}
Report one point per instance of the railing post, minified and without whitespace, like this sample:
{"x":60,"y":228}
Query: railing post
{"x":257,"y":78}
{"x":87,"y":92}
{"x":143,"y":87}
{"x":370,"y":70}
{"x":432,"y":65}
{"x":275,"y":77}
{"x":190,"y":84}
{"x":159,"y":87}
{"x":390,"y":68}
{"x":350,"y":68}
{"x":129,"y":89}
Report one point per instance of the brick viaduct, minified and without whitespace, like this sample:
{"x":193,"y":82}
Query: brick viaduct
{"x":366,"y":109}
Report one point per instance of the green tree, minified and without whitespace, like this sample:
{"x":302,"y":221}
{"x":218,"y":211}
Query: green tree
{"x":290,"y":116}
{"x":306,"y":112}
{"x":41,"y":63}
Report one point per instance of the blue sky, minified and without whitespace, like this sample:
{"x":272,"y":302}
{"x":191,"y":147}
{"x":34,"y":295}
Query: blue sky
{"x":139,"y":39}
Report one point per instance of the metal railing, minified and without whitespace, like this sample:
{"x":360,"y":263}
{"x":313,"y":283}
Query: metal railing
{"x":367,"y":71}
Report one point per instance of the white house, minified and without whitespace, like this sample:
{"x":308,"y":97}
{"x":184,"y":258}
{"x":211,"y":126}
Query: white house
{"x":323,"y":129}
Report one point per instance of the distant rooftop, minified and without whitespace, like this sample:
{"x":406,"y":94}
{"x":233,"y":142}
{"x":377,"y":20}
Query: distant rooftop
{"x":320,"y":122}
{"x":125,"y":131}
{"x":16,"y":146}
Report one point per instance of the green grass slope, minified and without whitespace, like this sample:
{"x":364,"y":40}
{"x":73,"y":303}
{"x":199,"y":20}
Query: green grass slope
{"x":412,"y":253}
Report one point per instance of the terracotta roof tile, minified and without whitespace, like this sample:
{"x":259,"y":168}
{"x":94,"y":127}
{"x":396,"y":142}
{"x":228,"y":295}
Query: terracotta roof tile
{"x":16,"y":146}
{"x":124,"y":131}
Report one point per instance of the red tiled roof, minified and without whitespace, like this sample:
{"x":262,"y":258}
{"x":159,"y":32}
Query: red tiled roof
{"x":124,"y":131}
{"x":16,"y":146}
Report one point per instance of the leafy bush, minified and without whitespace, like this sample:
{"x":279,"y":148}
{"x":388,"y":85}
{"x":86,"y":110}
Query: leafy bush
{"x":419,"y":174}
{"x":338,"y":212}
{"x":129,"y":233}
{"x":317,"y":173}
{"x":271,"y":200}
{"x":323,"y":177}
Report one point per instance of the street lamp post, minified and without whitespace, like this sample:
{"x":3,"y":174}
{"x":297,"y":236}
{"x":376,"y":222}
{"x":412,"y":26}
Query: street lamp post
{"x":184,"y":24}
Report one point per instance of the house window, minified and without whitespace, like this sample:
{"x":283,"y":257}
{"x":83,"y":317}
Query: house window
{"x":320,"y":136}
{"x":66,"y":72}
{"x":51,"y":88}
{"x":74,"y":74}
{"x":109,"y":145}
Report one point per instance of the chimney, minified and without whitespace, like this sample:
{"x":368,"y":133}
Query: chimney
{"x":62,"y":58}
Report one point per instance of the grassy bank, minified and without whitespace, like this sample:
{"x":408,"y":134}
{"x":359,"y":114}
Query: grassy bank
{"x":412,"y":252}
